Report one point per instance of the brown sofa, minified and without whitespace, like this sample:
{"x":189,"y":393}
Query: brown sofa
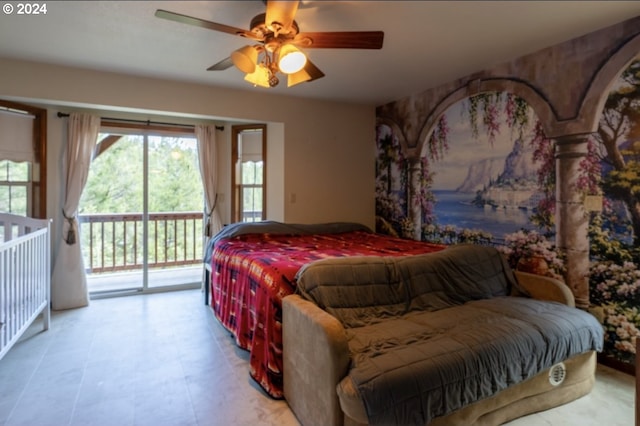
{"x":323,"y":335}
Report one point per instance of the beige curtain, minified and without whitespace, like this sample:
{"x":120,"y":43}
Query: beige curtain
{"x":208,"y":158}
{"x":69,"y":281}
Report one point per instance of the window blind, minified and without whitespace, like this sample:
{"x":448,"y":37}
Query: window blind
{"x":16,"y":136}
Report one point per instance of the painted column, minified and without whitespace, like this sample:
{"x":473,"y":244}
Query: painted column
{"x":414,"y":212}
{"x":572,"y":221}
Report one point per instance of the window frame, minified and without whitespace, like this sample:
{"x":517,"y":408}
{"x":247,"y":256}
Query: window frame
{"x":236,"y":187}
{"x":36,"y":190}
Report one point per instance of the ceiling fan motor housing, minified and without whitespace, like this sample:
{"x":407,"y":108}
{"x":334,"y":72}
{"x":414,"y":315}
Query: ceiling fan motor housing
{"x":261,"y":29}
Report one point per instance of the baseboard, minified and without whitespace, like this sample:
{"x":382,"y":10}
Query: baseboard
{"x":616,"y":364}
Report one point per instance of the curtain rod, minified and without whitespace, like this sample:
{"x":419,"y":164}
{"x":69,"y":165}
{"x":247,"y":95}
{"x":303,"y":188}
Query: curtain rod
{"x":148,"y":122}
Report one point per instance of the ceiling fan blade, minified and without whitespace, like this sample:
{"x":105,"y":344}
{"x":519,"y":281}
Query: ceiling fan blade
{"x":280,"y":15}
{"x":309,"y":73}
{"x":197,"y":22}
{"x":222,"y":65}
{"x":341,"y":40}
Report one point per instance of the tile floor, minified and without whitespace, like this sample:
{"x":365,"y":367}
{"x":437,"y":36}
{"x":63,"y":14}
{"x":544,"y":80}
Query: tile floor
{"x":163,"y":359}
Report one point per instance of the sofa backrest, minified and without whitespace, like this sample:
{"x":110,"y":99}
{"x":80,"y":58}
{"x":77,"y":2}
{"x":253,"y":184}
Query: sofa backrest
{"x":454,"y":276}
{"x":364,"y":289}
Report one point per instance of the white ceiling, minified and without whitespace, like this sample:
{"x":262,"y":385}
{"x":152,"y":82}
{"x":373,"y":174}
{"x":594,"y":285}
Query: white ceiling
{"x":427,"y":43}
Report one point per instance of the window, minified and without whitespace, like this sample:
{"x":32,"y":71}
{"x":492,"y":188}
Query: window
{"x":248,"y":179}
{"x":252,"y":191}
{"x":23,"y":159}
{"x":15,"y":187}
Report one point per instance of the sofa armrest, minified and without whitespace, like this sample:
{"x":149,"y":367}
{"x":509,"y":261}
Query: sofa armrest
{"x":315,"y":358}
{"x":545,"y":288}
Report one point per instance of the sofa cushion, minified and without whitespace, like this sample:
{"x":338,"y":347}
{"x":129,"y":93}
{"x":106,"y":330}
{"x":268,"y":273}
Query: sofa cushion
{"x":424,"y":364}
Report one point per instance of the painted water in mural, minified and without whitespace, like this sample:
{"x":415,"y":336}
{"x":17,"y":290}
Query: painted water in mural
{"x":457,"y":209}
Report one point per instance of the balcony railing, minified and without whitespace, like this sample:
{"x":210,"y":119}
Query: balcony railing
{"x":114,"y":242}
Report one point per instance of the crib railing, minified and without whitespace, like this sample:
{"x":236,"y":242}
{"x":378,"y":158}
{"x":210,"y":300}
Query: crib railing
{"x":25,"y":273}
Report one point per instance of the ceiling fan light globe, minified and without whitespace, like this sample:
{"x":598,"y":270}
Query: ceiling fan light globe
{"x":292,"y":62}
{"x":290,"y":59}
{"x":245,"y":59}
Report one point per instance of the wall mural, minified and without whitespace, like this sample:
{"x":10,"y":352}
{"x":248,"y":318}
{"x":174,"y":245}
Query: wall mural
{"x":486,"y":175}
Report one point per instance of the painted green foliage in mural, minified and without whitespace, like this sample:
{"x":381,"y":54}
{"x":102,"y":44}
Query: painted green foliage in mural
{"x":614,"y":233}
{"x":391,"y":181}
{"x":619,"y":142}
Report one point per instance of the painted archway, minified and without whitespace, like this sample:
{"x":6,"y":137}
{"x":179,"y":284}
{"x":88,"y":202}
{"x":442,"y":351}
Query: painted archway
{"x":480,"y":157}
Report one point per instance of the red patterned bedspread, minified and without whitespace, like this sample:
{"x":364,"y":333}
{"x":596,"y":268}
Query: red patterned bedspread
{"x":251,"y":274}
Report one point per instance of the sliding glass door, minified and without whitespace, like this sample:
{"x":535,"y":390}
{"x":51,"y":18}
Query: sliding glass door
{"x":141,"y":214}
{"x":175,"y":212}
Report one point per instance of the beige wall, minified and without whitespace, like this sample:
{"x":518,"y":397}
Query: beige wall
{"x":320,"y":154}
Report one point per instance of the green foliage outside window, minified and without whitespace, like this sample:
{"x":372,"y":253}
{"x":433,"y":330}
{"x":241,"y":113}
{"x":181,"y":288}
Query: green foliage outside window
{"x":115,"y":186}
{"x":14,"y":181}
{"x":252,"y":190}
{"x":115,"y":183}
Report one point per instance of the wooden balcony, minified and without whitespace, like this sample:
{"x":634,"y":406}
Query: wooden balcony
{"x":114,"y":253}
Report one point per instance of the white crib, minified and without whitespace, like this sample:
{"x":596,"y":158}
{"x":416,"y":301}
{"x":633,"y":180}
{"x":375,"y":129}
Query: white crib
{"x":25,"y":276}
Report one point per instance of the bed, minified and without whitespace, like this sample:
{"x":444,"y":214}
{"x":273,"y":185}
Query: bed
{"x":24,"y":276}
{"x":252,"y":267}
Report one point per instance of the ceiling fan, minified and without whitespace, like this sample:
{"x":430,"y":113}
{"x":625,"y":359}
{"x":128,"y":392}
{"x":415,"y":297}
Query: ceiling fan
{"x":277,"y":42}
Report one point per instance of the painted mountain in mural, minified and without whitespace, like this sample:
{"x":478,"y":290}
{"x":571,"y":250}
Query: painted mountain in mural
{"x":481,"y":174}
{"x":519,"y":168}
{"x":516,"y":170}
